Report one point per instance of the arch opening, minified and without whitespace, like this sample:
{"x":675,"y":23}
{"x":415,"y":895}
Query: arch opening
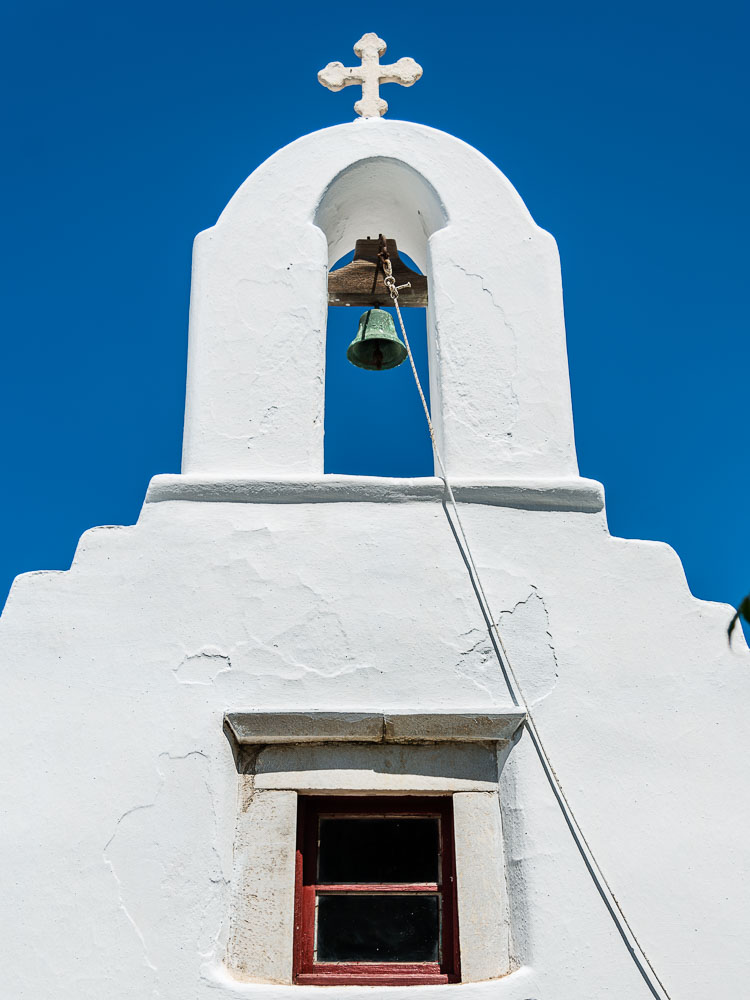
{"x":374,"y":424}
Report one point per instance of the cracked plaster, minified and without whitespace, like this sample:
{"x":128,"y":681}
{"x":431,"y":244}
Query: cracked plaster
{"x":142,"y":655}
{"x":493,"y":333}
{"x":203,"y":667}
{"x":147,"y":850}
{"x":119,"y":832}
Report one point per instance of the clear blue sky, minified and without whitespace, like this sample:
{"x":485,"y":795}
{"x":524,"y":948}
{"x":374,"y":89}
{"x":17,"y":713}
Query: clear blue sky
{"x":623,"y":126}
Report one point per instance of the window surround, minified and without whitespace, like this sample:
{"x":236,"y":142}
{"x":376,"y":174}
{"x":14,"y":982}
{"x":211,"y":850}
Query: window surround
{"x":283,"y":756}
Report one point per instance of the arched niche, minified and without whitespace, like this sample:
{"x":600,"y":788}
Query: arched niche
{"x":256,"y":360}
{"x":380,"y":195}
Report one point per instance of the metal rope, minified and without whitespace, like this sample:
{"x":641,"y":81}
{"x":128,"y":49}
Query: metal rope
{"x":640,"y":958}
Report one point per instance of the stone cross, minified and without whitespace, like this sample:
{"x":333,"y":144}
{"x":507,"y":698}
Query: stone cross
{"x":370,"y":75}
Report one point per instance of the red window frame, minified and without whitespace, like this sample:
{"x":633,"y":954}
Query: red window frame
{"x":309,"y":972}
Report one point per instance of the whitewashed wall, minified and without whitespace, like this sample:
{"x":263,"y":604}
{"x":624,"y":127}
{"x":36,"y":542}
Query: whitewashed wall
{"x":253,"y":582}
{"x":257,"y":325}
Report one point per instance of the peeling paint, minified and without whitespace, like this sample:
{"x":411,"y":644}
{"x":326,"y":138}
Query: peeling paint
{"x":203,"y":667}
{"x":526,"y":633}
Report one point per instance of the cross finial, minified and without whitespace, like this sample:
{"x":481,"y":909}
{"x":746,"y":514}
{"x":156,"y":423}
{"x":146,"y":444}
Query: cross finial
{"x":370,"y":75}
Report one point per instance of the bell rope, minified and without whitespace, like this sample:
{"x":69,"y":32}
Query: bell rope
{"x":635,"y":948}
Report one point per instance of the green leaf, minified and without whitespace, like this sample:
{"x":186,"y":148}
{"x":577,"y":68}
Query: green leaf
{"x":743,"y":611}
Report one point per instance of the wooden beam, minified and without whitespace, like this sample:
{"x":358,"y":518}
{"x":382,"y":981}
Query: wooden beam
{"x":361,"y":282}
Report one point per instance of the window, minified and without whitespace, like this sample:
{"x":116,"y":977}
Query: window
{"x":375,"y":894}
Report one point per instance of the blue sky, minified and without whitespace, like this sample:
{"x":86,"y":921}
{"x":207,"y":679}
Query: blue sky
{"x":624,"y":127}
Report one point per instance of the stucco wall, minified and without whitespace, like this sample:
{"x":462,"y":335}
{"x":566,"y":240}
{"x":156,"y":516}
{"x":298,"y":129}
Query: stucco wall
{"x":120,"y":792}
{"x":256,"y":363}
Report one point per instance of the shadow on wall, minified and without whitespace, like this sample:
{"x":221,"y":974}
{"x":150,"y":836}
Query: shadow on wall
{"x":274,"y":765}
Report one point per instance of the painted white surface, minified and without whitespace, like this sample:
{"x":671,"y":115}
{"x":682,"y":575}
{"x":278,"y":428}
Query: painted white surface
{"x":369,"y":76}
{"x":528,"y":494}
{"x":120,"y":793}
{"x":499,"y":378}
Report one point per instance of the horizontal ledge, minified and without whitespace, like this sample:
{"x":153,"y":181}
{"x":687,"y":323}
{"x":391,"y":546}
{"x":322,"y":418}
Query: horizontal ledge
{"x":573,"y":494}
{"x":264,"y":728}
{"x":523,"y":981}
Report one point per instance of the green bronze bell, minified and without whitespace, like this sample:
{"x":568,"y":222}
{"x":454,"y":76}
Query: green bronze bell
{"x":377,"y":345}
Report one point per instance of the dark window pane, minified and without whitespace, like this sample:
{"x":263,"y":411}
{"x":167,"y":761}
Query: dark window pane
{"x":379,"y":850}
{"x":361,"y":928}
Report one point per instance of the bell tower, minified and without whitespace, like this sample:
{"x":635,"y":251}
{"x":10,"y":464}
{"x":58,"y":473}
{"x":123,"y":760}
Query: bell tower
{"x":293,"y":729}
{"x":498,"y":364}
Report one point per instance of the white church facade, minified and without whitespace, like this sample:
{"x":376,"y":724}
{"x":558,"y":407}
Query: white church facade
{"x":295,"y":731}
